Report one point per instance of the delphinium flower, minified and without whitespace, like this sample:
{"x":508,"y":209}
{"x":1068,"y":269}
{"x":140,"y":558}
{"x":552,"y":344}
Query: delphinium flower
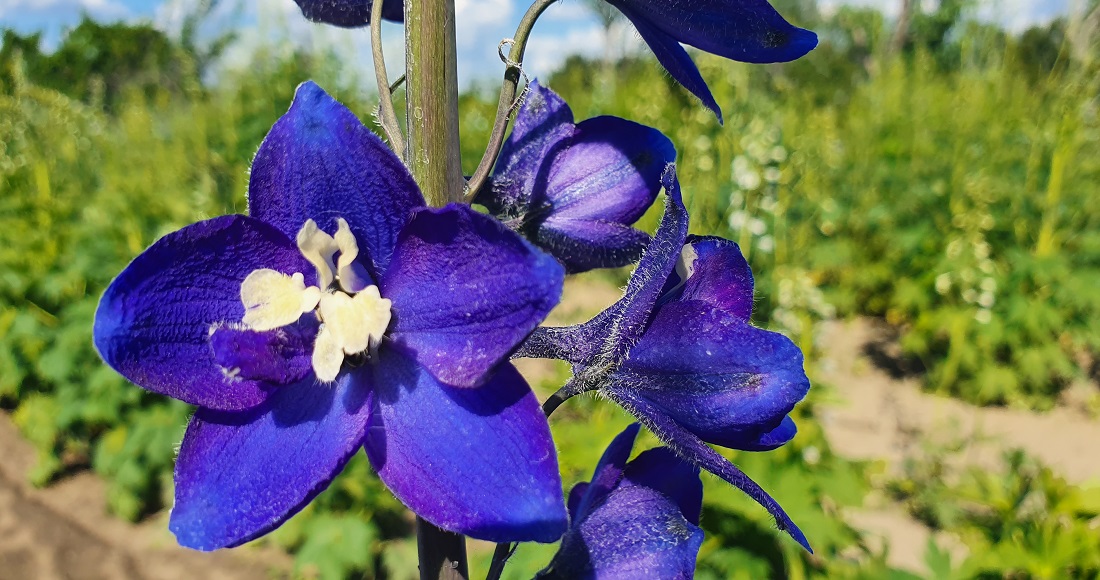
{"x":742,"y":30}
{"x":679,"y":353}
{"x":637,"y":519}
{"x":575,"y":189}
{"x":341,"y":314}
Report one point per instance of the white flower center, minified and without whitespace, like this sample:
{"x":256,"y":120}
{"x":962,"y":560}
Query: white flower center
{"x":353,"y":315}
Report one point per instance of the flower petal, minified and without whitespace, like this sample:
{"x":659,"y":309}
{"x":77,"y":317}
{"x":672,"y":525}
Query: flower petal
{"x":465,"y":292}
{"x":154,"y":321}
{"x":280,"y":356}
{"x":542,"y":125}
{"x":583,"y":245}
{"x":349,"y":13}
{"x":608,"y":473}
{"x":713,"y":373}
{"x":637,"y":527}
{"x":240,"y":475}
{"x":673,"y":57}
{"x":479,"y":462}
{"x":767,"y":440}
{"x":692,"y":449}
{"x":610,"y":334}
{"x":712,"y":270}
{"x":319,"y":162}
{"x":741,"y":30}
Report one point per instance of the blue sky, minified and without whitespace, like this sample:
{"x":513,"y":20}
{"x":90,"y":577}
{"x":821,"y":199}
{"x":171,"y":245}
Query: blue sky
{"x":566,"y":28}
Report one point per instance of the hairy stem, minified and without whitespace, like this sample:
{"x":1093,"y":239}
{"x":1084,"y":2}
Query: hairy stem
{"x":507,"y":101}
{"x":442,"y":554}
{"x":387,"y":115}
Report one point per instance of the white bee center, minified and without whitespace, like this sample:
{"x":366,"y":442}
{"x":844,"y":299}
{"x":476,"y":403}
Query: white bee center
{"x":353,"y":314}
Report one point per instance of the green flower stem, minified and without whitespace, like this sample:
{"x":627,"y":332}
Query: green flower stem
{"x":432,"y":156}
{"x":431,"y":69}
{"x":507,"y":100}
{"x":386,"y":113}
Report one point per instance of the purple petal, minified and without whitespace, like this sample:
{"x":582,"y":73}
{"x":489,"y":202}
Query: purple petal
{"x":664,"y":471}
{"x":691,"y":448}
{"x":742,"y":30}
{"x":674,"y":58}
{"x":611,"y":333}
{"x":608,"y":472}
{"x":583,"y":245}
{"x":154,"y":321}
{"x":240,"y":475}
{"x":637,"y":527}
{"x":319,"y":162}
{"x":767,"y":440}
{"x":543,"y":124}
{"x":479,"y":462}
{"x":642,"y":290}
{"x":713,"y":373}
{"x":610,"y":171}
{"x":349,"y":13}
{"x":717,"y":274}
{"x":465,"y":292}
{"x":280,"y":356}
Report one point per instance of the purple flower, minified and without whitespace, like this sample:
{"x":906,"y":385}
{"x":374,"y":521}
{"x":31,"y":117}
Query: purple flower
{"x":339,"y":314}
{"x":574,"y":190}
{"x":349,"y":13}
{"x":741,"y":30}
{"x":633,"y":520}
{"x":679,"y":353}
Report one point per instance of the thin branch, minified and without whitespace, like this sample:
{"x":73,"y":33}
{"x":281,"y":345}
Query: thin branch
{"x":507,"y":102}
{"x":385,"y":93}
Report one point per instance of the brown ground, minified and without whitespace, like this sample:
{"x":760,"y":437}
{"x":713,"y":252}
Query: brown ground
{"x":64,"y":532}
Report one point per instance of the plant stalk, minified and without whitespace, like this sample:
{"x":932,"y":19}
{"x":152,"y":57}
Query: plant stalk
{"x":431,"y":84}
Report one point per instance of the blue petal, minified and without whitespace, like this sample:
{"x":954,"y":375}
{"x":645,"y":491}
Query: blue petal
{"x":664,"y":471}
{"x":694,"y":450}
{"x":319,"y":162}
{"x":608,"y":472}
{"x":675,"y":59}
{"x":713,"y":373}
{"x":465,"y":292}
{"x":607,"y":338}
{"x":583,"y":245}
{"x":479,"y":462}
{"x":767,"y":440}
{"x":240,"y":475}
{"x":637,"y":521}
{"x":543,"y":123}
{"x":742,"y":30}
{"x":154,"y":321}
{"x":718,"y":275}
{"x":349,"y":13}
{"x":280,"y":356}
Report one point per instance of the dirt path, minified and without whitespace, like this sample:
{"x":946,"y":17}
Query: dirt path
{"x":879,"y":417}
{"x":64,"y":533}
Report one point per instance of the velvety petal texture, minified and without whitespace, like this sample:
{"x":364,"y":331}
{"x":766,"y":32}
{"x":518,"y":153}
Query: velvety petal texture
{"x":480,"y":462}
{"x":574,"y":190}
{"x":349,"y":13}
{"x":493,"y":289}
{"x":154,"y":322}
{"x":320,"y":163}
{"x":634,"y":520}
{"x":678,"y":352}
{"x":240,"y":475}
{"x":742,"y":30}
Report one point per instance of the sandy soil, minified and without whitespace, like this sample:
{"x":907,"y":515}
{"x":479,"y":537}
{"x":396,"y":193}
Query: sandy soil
{"x":63,"y":532}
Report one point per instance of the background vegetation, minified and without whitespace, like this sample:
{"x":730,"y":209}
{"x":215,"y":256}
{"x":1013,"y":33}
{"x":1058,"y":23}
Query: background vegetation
{"x":937,"y":172}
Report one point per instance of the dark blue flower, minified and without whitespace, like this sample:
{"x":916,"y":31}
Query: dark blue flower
{"x":633,"y":520}
{"x":349,"y":13}
{"x":741,"y":30}
{"x":679,"y":353}
{"x":574,"y":190}
{"x":339,"y":314}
